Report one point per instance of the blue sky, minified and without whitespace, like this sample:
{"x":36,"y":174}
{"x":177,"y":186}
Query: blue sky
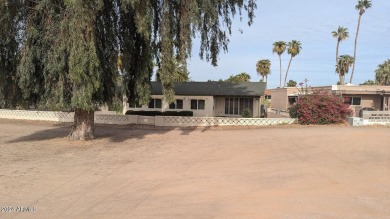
{"x":310,"y":22}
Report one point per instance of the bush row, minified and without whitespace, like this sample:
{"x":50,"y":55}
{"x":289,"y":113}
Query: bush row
{"x":159,"y":113}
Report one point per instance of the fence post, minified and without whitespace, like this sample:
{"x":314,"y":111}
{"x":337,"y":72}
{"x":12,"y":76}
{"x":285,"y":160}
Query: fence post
{"x":158,"y":121}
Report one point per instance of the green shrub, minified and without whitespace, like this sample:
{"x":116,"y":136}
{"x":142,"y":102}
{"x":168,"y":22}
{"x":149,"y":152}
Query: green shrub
{"x":247,"y":113}
{"x":292,"y":111}
{"x":159,"y":113}
{"x":320,"y":108}
{"x":186,"y":113}
{"x":144,"y":113}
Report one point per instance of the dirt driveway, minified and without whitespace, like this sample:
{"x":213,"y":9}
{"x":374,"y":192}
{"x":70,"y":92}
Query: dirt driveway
{"x":128,"y":172}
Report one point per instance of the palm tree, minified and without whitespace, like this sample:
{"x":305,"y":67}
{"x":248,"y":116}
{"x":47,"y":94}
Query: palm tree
{"x":179,"y":72}
{"x":263,"y":68}
{"x":242,"y":77}
{"x":279,"y":48}
{"x":362,"y":6}
{"x":293,"y":49}
{"x":344,"y":62}
{"x":341,"y":34}
{"x":382,"y":73}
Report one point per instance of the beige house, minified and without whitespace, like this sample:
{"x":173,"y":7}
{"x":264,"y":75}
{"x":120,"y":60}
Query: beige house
{"x":208,"y":99}
{"x":373,"y":97}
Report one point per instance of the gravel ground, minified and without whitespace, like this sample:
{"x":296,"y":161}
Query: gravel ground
{"x":144,"y":172}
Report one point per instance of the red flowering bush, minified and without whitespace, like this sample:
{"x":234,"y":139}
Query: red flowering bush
{"x":320,"y":108}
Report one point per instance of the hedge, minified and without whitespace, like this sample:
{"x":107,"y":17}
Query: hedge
{"x":159,"y":113}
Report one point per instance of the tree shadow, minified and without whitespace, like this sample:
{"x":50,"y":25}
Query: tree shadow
{"x":112,"y":133}
{"x":53,"y":132}
{"x":188,"y":130}
{"x":121,"y":133}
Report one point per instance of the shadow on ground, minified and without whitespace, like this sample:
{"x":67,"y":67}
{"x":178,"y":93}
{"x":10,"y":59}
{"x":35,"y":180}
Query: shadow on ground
{"x":53,"y":132}
{"x":112,"y":133}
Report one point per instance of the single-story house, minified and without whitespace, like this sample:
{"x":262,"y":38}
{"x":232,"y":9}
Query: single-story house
{"x":208,"y":99}
{"x":359,"y":96}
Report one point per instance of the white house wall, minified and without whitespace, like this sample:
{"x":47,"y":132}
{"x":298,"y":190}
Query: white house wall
{"x":256,"y":107}
{"x":208,"y":111}
{"x":220,"y":106}
{"x":214,"y":106}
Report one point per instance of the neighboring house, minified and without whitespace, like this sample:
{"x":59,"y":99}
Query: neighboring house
{"x":362,"y":96}
{"x":283,"y":98}
{"x":208,"y":99}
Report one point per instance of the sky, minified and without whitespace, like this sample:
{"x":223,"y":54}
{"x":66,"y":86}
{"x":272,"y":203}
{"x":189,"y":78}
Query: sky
{"x":310,"y":22}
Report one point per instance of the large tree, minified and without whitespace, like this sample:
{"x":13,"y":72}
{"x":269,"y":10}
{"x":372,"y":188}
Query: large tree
{"x":279,"y":47}
{"x":362,"y":6}
{"x":67,"y":59}
{"x":263,"y":68}
{"x":341,"y":34}
{"x":69,"y":51}
{"x":382,"y":73}
{"x":293,"y":49}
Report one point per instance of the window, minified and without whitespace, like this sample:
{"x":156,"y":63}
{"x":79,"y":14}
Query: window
{"x":292,"y":100}
{"x":179,"y":104}
{"x":235,"y":106}
{"x":236,"y":101}
{"x":201,"y":104}
{"x":355,"y":101}
{"x":155,"y":104}
{"x":176,"y":105}
{"x":198,"y":104}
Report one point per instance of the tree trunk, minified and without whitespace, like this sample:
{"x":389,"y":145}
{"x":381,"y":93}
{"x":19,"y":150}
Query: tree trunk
{"x":337,"y":60}
{"x":280,"y":67}
{"x":288,"y":68}
{"x":83,"y":126}
{"x":354,"y":52}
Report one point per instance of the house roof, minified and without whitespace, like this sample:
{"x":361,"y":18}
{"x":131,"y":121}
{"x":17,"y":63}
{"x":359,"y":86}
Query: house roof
{"x":214,"y":88}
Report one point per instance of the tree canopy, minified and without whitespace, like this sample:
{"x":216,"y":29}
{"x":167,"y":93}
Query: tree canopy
{"x":368,"y":82}
{"x":263,"y":68}
{"x":242,"y":77}
{"x":291,"y":83}
{"x":382,"y":73}
{"x":70,"y":47}
{"x":345,"y":62}
{"x":279,"y":47}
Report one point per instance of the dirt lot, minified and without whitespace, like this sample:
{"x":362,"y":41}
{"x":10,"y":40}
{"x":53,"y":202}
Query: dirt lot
{"x":135,"y":172}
